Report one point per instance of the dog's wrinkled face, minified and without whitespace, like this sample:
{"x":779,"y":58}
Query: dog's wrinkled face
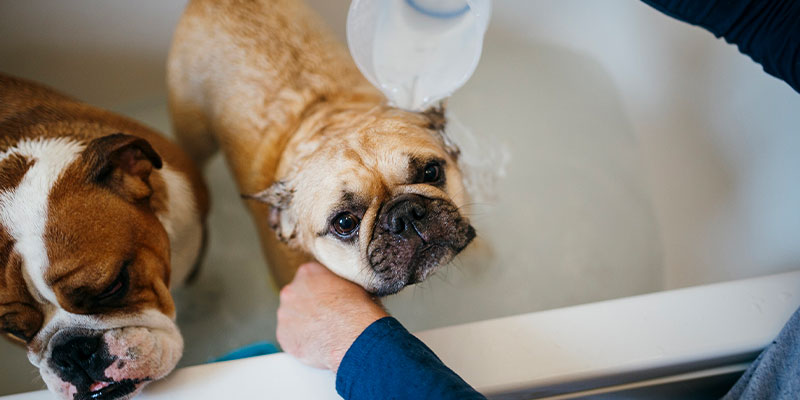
{"x":84,"y":266}
{"x":377,"y":201}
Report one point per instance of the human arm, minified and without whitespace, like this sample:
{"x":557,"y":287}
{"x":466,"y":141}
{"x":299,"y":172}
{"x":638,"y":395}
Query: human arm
{"x":386,"y":361}
{"x":767,"y":31}
{"x":320,"y":315}
{"x":328,"y":322}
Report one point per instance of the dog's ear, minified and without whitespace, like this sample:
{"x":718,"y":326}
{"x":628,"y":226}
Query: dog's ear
{"x":279,"y":198}
{"x":435,"y":115}
{"x":20,"y":320}
{"x":438,"y":123}
{"x":122,"y":163}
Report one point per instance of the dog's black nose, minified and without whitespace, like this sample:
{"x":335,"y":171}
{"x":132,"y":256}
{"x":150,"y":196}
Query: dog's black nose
{"x":405,"y":215}
{"x":79,"y":360}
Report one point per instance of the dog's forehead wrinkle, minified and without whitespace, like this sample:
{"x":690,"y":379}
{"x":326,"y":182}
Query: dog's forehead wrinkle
{"x":351,"y":200}
{"x":62,"y":270}
{"x":351,"y":154}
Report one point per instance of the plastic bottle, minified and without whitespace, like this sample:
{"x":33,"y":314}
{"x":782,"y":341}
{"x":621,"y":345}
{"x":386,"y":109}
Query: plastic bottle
{"x":417,"y":52}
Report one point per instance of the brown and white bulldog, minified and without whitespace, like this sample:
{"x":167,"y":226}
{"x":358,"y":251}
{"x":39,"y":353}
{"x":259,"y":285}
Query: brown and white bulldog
{"x":97,"y":215}
{"x":372,"y":191}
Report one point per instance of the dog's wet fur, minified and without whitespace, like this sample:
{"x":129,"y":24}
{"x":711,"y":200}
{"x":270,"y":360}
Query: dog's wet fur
{"x":316,"y":145}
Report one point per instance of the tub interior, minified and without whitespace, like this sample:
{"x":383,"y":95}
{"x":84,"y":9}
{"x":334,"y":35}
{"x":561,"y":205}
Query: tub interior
{"x":644,"y":154}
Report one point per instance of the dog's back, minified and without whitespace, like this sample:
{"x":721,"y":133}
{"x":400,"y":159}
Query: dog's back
{"x":262,"y":79}
{"x":244,"y":75}
{"x":242,"y":72}
{"x":30,"y":110}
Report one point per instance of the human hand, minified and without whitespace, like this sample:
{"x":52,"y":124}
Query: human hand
{"x":321,"y":315}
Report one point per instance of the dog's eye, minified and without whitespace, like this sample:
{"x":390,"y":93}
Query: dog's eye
{"x":345,"y":224}
{"x":117,"y":288}
{"x":432,"y":172}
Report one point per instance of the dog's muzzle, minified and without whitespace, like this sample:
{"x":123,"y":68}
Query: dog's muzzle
{"x":412,"y":236}
{"x":81,"y":358}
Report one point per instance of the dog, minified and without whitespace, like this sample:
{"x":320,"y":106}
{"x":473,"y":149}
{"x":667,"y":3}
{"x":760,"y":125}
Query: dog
{"x":330,"y":171}
{"x":98,"y":214}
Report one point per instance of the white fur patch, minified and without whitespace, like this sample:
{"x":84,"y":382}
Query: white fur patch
{"x":345,"y":261}
{"x":182,"y":223}
{"x":23,"y":210}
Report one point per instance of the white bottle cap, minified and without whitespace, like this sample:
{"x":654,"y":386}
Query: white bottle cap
{"x":417,"y":52}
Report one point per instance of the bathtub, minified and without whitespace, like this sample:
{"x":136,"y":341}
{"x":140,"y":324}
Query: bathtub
{"x":644,"y":241}
{"x":685,"y":343}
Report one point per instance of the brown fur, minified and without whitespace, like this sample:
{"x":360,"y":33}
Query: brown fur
{"x":29,"y":110}
{"x":83,"y":236}
{"x":12,"y":170}
{"x":93,"y":220}
{"x":20,"y":317}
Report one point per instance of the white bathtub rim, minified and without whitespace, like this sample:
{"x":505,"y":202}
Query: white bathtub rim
{"x":755,"y":308}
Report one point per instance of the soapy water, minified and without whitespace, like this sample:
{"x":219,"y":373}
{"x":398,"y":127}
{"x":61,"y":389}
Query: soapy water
{"x":482,"y":162}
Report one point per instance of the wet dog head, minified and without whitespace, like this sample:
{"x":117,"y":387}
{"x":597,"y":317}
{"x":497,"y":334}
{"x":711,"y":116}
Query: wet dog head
{"x":374,"y":194}
{"x":85,"y":265}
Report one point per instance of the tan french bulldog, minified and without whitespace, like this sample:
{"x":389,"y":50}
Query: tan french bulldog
{"x":332,"y":172}
{"x":98,"y":214}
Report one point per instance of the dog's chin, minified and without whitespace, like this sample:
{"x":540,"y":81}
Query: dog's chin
{"x":101,"y":390}
{"x":426,"y":260}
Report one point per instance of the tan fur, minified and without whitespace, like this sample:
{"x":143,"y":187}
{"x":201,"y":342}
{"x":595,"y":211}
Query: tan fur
{"x":264,"y":81}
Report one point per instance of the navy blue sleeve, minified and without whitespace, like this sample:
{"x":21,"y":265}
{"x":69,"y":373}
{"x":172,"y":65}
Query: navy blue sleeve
{"x":766,"y":30}
{"x":775,"y":374}
{"x":387,"y":362}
